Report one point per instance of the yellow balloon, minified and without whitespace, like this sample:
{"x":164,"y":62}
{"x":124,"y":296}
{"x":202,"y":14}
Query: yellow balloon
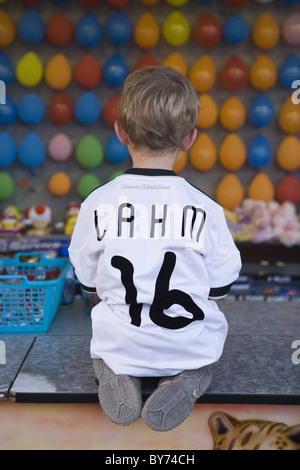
{"x":261,"y":188}
{"x":208,"y":111}
{"x":288,"y":153}
{"x":176,"y":29}
{"x":263,"y":73}
{"x":177,"y":3}
{"x":177,"y":62}
{"x":289,"y":117}
{"x":146,"y":31}
{"x":266,"y":31}
{"x":203,"y":74}
{"x":230,"y":192}
{"x":7,"y":30}
{"x":58,"y":72}
{"x":232,"y":114}
{"x":29,"y":70}
{"x":203,"y":154}
{"x":180,"y":162}
{"x":232,"y":152}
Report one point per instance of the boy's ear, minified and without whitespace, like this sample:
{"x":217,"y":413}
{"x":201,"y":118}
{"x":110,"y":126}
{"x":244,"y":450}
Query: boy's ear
{"x":121,"y":134}
{"x":189,"y":140}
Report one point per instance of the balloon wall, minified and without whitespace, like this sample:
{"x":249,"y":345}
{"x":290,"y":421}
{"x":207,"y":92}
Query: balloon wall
{"x":63,"y":64}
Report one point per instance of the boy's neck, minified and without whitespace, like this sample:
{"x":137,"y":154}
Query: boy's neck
{"x":153,"y":160}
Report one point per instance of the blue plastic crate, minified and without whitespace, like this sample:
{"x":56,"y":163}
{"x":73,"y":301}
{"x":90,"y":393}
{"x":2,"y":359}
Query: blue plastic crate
{"x":30,"y":292}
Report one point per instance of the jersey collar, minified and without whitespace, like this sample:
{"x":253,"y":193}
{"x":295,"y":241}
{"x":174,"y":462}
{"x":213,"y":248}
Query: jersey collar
{"x":150,"y":172}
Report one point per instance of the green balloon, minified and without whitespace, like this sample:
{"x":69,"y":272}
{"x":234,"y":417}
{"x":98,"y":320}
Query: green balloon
{"x":86,"y":184}
{"x":7,"y":186}
{"x":89,"y":152}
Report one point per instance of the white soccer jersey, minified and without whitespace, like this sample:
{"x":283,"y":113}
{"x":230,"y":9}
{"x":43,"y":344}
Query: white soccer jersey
{"x":157,"y":250}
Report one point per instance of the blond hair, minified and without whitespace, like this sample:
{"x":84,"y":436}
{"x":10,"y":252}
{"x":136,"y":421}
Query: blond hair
{"x":158,"y":107}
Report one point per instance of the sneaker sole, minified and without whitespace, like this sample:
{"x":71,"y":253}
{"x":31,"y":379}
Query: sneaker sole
{"x":172,"y":402}
{"x":120,"y":397}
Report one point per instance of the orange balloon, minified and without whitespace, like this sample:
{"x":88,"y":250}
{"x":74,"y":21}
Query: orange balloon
{"x":230,"y":192}
{"x":263,"y":73}
{"x":265,"y":32}
{"x":180,"y":162}
{"x":146,"y":31}
{"x":208,"y":111}
{"x":87,"y":71}
{"x":177,"y":62}
{"x":203,"y":154}
{"x":234,"y":73}
{"x":7,"y":30}
{"x":59,"y":184}
{"x":232,"y":152}
{"x":203,"y":74}
{"x":232,"y":114}
{"x":58,"y":72}
{"x":59,"y":29}
{"x":289,"y":117}
{"x":261,"y":188}
{"x":288,"y":153}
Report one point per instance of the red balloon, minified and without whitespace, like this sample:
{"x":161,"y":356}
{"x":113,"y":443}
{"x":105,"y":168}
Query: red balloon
{"x":110,"y":110}
{"x":234,"y":73}
{"x":207,"y":30}
{"x":60,"y":108}
{"x":59,"y":29}
{"x":87,"y":72}
{"x":28,"y":2}
{"x":145,"y":60}
{"x":117,"y":3}
{"x":288,"y":189}
{"x":236,"y":3}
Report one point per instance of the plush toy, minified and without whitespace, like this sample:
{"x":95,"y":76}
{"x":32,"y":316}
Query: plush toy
{"x":11,"y":221}
{"x":38,"y":219}
{"x":239,"y":224}
{"x":258,"y":222}
{"x":286,"y":224}
{"x":71,"y":217}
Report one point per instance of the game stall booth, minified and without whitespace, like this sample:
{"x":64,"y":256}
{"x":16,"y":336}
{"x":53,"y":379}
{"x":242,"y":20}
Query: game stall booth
{"x":62,"y":67}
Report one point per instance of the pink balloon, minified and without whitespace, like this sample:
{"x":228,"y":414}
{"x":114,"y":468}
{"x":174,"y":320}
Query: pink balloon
{"x":60,"y":147}
{"x":291,"y":29}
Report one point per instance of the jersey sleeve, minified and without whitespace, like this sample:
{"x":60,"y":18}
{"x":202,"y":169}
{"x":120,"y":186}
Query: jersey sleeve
{"x":223,"y":263}
{"x":84,"y":250}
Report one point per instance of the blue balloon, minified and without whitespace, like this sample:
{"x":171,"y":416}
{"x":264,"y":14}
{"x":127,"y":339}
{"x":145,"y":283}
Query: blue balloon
{"x":289,"y":71}
{"x":115,"y":70}
{"x":119,"y":28}
{"x":8,"y":149}
{"x":87,"y":108}
{"x":31,"y":27}
{"x":261,"y":110}
{"x":88,"y":30}
{"x":7,"y":73}
{"x":289,"y":2}
{"x":31,"y":109}
{"x":235,"y":29}
{"x":115,"y":151}
{"x":8,"y":111}
{"x":31,"y":151}
{"x":259,"y":152}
